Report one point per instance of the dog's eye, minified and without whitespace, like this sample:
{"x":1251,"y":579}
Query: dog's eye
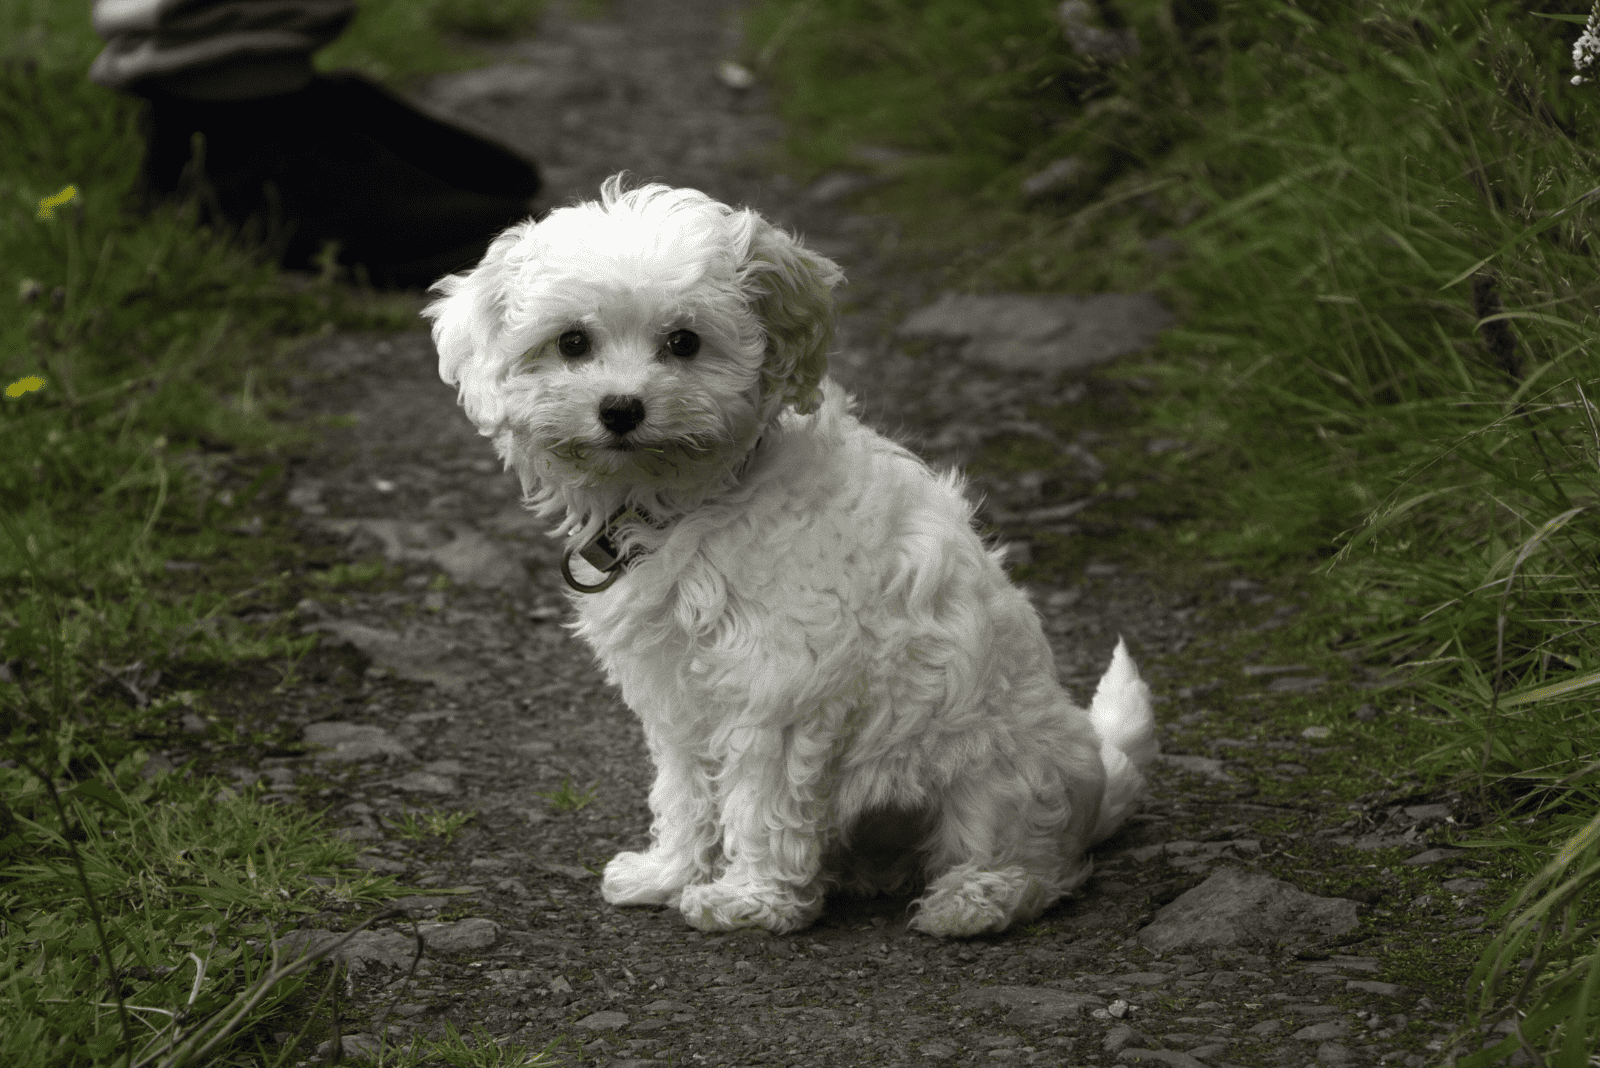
{"x":573,"y":343}
{"x":683,"y":343}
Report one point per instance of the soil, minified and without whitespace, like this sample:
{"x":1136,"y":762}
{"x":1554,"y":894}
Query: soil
{"x":478,"y":701}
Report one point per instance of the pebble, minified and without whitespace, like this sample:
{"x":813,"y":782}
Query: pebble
{"x":340,"y":741}
{"x":1132,"y":1055}
{"x":425,"y":782}
{"x":1320,"y":1031}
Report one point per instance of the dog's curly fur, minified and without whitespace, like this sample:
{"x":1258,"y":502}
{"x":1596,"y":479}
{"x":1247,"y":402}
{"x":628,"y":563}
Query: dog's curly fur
{"x":821,"y":651}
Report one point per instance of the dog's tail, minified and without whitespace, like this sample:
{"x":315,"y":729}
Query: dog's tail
{"x":1123,"y":717}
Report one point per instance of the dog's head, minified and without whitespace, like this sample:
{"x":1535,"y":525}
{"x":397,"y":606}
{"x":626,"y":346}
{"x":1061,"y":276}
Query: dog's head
{"x":634,"y":348}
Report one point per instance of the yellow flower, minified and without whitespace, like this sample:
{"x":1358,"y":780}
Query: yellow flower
{"x":48,"y":206}
{"x":24,"y":385}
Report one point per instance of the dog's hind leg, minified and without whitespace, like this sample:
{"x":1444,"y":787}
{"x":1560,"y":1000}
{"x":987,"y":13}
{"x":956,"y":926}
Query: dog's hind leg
{"x":1007,"y":846}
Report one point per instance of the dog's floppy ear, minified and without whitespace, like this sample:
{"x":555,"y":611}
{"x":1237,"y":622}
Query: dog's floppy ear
{"x":792,"y":295}
{"x":468,"y":321}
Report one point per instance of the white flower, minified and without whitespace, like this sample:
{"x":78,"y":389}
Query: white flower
{"x":1587,"y":46}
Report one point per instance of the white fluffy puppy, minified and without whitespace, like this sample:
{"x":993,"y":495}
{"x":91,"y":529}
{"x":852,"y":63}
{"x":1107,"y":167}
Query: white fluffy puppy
{"x":797,"y":609}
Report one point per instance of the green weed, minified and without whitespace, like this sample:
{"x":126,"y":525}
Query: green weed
{"x":416,"y":826}
{"x":478,"y":1050}
{"x":568,"y":798}
{"x":362,"y":573}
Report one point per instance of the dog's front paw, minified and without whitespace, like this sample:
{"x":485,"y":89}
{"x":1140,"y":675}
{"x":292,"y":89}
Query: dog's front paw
{"x":724,"y":907}
{"x":643,"y":879}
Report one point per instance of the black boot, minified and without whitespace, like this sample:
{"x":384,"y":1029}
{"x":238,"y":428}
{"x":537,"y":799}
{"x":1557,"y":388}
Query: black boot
{"x":343,"y":160}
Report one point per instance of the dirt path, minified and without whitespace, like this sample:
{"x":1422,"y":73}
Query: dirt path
{"x":469,"y":696}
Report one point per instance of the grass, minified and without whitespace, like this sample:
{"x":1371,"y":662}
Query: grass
{"x":415,"y":826}
{"x":569,"y":798}
{"x":143,"y":359}
{"x":1373,"y":217}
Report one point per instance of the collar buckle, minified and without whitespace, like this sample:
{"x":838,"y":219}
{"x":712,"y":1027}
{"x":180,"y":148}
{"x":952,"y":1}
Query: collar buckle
{"x":601,"y":553}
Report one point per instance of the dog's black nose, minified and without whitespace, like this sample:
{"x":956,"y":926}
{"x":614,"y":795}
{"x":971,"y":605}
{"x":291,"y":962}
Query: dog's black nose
{"x":620,"y":414}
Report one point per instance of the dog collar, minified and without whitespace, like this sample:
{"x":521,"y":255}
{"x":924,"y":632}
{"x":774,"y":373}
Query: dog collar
{"x":600,"y":552}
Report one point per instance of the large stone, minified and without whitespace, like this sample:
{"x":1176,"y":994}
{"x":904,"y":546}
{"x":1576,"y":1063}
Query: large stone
{"x":1030,"y":1006}
{"x":1018,"y":331}
{"x":1236,"y":907}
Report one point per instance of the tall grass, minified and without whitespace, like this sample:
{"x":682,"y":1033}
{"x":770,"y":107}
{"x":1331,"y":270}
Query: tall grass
{"x":1382,"y":212}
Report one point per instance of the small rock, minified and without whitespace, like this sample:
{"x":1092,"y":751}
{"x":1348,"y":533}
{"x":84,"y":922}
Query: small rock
{"x":1432,"y":856}
{"x":1464,"y":886}
{"x":340,"y":741}
{"x":1236,"y":907}
{"x":1210,"y":767}
{"x":735,"y":75}
{"x":461,"y":936}
{"x":1372,"y":986}
{"x":1122,"y":1035}
{"x":1158,"y":1056}
{"x":419,"y":903}
{"x":1265,"y":1028}
{"x":419,"y":659}
{"x":473,"y":560}
{"x":392,"y":949}
{"x":1058,"y":178}
{"x":1298,"y":684}
{"x":603,"y":1021}
{"x":1428,"y":813}
{"x":1030,"y":1006}
{"x":667,"y":1005}
{"x":1323,"y":1031}
{"x":1332,"y":1053}
{"x":936,"y":1051}
{"x":425,"y":782}
{"x":1366,"y":713}
{"x":1316,"y":732}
